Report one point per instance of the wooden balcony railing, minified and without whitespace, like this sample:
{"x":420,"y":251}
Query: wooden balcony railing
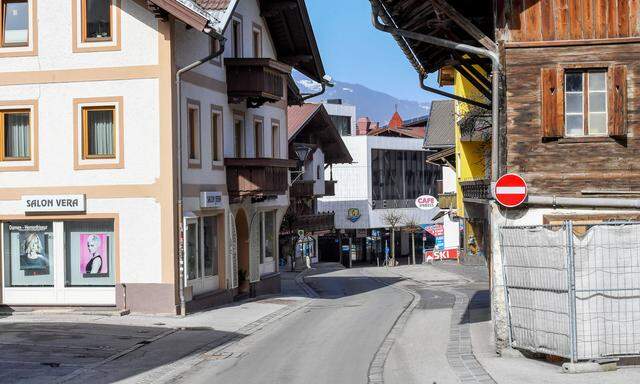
{"x":257,"y":176}
{"x":301,"y":188}
{"x":330,"y":187}
{"x":476,"y":189}
{"x":447,"y":201}
{"x":256,"y":80}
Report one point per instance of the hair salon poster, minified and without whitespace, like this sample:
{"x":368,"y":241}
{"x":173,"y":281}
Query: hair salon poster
{"x":94,"y":256}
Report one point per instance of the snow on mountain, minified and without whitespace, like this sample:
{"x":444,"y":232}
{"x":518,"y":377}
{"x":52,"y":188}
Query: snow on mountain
{"x":378,"y":106}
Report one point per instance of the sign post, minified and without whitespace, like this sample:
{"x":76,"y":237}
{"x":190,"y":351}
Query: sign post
{"x":510,"y":190}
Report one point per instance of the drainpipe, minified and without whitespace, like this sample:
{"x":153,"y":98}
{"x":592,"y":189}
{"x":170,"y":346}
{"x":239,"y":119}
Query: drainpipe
{"x":584,"y":202}
{"x":323,"y":84}
{"x":495,"y":75}
{"x":179,"y":73}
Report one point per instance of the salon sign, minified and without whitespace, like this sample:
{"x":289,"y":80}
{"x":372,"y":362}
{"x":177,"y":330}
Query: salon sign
{"x":53,"y":203}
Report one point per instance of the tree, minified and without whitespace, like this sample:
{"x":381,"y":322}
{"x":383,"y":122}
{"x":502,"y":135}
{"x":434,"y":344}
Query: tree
{"x":412,"y":227}
{"x":393,"y":218}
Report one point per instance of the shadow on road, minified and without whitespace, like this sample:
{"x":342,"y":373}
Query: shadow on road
{"x":36,"y":352}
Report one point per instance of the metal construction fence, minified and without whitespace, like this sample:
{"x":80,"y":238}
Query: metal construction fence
{"x":573,"y":290}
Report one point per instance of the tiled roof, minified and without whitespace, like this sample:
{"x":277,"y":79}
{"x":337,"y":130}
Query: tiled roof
{"x":396,"y":121}
{"x":440,"y":131}
{"x":213,"y":5}
{"x":298,"y":115}
{"x":411,"y":132}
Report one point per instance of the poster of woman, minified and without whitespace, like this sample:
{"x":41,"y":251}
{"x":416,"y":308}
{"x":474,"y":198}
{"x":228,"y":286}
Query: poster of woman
{"x":94,"y":260}
{"x":33,"y":258}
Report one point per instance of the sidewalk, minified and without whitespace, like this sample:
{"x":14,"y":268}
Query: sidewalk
{"x":44,"y":347}
{"x":472,"y":282}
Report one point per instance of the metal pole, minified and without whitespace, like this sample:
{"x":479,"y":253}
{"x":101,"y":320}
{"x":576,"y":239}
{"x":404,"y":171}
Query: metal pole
{"x":571,"y":293}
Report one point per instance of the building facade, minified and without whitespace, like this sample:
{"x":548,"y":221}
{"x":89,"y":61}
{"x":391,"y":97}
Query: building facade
{"x":99,"y":224}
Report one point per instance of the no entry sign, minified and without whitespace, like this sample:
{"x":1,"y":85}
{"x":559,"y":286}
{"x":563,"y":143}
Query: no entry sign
{"x":510,"y":190}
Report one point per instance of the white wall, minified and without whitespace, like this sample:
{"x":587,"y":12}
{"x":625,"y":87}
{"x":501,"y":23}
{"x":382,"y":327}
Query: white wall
{"x":139,"y":41}
{"x":343,"y":110}
{"x":448,"y":180}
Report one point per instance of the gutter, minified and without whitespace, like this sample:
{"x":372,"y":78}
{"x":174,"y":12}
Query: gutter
{"x":599,"y":202}
{"x":179,"y":73}
{"x":495,"y":75}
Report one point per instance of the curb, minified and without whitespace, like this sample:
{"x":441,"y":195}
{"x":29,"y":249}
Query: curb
{"x":304,"y":286}
{"x":375,"y":374}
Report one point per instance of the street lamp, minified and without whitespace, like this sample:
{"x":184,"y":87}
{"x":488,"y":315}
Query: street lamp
{"x":302,"y":152}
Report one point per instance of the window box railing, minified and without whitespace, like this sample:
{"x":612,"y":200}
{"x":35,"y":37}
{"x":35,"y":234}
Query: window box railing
{"x":447,"y":201}
{"x":257,"y":177}
{"x":476,"y":189}
{"x":302,"y":188}
{"x":256,"y":80}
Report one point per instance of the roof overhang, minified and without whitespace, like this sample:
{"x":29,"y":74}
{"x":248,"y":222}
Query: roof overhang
{"x":446,"y":157}
{"x":190,"y":13}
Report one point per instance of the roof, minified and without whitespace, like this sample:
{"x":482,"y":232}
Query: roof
{"x":411,"y":132}
{"x":420,"y":121}
{"x":202,"y":15}
{"x":310,"y":123}
{"x":396,"y":120}
{"x":441,"y":126}
{"x":433,"y":18}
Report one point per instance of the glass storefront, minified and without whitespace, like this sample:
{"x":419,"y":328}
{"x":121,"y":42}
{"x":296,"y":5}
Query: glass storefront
{"x":202,"y":248}
{"x":89,"y":253}
{"x":28,"y":254}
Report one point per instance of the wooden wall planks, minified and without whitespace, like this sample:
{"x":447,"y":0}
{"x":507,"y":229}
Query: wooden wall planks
{"x":549,"y":20}
{"x":566,"y":167}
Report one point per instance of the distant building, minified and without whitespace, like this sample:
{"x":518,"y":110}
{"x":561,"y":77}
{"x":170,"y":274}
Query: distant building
{"x":342,"y":115}
{"x":387,"y":174}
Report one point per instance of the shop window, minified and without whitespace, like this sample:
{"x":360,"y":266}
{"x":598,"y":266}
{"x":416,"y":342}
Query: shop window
{"x":96,"y":20}
{"x":89,"y":253}
{"x":98,"y":132}
{"x":28,"y":253}
{"x":192,"y":250}
{"x":210,"y":245}
{"x":15,"y":137}
{"x":270,"y":234}
{"x":15,"y":23}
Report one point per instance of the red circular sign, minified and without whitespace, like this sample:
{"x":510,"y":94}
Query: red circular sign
{"x":510,"y":190}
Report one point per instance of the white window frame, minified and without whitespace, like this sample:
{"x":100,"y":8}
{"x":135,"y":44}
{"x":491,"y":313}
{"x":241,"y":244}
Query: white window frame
{"x":585,"y":93}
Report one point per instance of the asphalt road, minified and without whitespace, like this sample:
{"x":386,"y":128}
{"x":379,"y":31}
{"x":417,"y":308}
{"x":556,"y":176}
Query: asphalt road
{"x":333,"y":340}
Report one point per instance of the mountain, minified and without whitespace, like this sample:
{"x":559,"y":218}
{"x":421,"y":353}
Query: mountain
{"x":378,"y":106}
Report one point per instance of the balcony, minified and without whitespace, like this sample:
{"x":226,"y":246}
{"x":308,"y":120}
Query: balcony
{"x":257,"y":177}
{"x":330,"y":187}
{"x":256,"y":80}
{"x":301,"y":188}
{"x":475,"y":190}
{"x":447,"y":201}
{"x":317,"y":222}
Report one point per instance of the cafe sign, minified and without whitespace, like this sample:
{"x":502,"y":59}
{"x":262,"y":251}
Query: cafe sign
{"x":53,"y":203}
{"x":426,"y":202}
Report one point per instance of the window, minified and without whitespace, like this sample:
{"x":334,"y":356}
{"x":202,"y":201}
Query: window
{"x":96,"y":20}
{"x":28,"y":254}
{"x":319,"y":175}
{"x":216,"y":135}
{"x":585,"y":103}
{"x":215,"y":47}
{"x":258,"y":143}
{"x":98,"y":132}
{"x":210,"y":245}
{"x":238,"y":137}
{"x":15,"y":23}
{"x":15,"y":136}
{"x":236,"y":38}
{"x":89,"y":253}
{"x":275,"y":140}
{"x":257,"y":41}
{"x":343,"y":124}
{"x":267,"y":236}
{"x":398,"y":177}
{"x":194,"y":133}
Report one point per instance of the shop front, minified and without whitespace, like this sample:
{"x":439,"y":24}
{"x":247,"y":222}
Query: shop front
{"x":53,"y":256}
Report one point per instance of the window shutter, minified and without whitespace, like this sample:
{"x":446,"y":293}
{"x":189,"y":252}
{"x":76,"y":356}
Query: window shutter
{"x":552,"y":108}
{"x":617,"y":94}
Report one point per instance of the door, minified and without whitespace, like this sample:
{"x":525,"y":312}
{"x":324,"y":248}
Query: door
{"x":191,"y":249}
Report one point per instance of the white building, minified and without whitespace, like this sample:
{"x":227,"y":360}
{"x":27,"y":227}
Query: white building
{"x":342,"y":115}
{"x":387,"y":174}
{"x":90,"y":171}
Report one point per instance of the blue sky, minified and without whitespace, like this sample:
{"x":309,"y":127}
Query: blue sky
{"x":354,"y":51}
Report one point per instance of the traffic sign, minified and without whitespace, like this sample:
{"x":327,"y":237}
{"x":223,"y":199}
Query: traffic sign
{"x":510,"y":190}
